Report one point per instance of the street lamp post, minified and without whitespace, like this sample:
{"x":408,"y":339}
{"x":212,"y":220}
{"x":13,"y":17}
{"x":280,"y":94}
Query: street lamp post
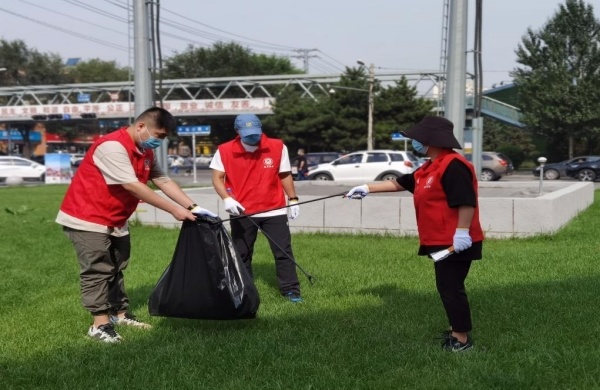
{"x":371,"y":105}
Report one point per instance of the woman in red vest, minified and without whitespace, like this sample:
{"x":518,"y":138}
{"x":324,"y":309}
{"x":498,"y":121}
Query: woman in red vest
{"x":445,"y":197}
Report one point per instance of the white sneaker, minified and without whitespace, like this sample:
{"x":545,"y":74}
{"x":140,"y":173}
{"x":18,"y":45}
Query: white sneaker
{"x":105,"y":333}
{"x":129,"y":320}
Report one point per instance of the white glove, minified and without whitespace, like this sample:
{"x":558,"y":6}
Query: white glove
{"x":200,"y":211}
{"x":294,"y":209}
{"x":462,"y":240}
{"x":233,"y":207}
{"x":358,"y":192}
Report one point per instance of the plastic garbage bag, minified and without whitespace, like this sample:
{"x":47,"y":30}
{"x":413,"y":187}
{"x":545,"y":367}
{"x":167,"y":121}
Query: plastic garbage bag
{"x":206,"y":278}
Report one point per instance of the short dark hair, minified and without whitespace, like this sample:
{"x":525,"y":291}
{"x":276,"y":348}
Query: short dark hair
{"x":160,"y":118}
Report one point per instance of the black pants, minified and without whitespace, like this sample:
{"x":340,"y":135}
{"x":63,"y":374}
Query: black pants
{"x":243,"y":234}
{"x":450,"y":281}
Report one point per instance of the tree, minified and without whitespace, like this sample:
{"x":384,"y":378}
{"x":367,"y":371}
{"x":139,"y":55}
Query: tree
{"x":397,"y":108}
{"x":559,"y":83}
{"x":225,"y":60}
{"x":516,"y":143}
{"x":25,"y":66}
{"x":338,"y":121}
{"x":97,"y":71}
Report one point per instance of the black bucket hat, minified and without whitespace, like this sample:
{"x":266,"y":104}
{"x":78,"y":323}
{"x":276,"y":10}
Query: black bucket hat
{"x":434,"y":131}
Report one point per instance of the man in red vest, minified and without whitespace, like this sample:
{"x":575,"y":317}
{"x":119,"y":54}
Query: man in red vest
{"x":103,"y":194}
{"x":445,"y":197}
{"x":252,"y":173}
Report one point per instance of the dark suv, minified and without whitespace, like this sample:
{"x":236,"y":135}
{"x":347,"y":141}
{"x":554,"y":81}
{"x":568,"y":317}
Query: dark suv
{"x":314,"y":159}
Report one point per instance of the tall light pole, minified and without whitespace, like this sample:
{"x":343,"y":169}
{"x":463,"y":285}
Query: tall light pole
{"x":7,"y":125}
{"x":371,"y":104}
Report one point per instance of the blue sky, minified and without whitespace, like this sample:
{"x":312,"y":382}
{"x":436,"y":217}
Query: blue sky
{"x":392,"y":34}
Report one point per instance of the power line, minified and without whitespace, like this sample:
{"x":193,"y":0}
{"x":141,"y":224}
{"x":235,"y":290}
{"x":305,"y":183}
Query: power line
{"x":73,"y":33}
{"x":282,"y":47}
{"x":97,"y":10}
{"x":120,"y":5}
{"x":331,"y":58}
{"x":211,"y":37}
{"x":72,"y":17}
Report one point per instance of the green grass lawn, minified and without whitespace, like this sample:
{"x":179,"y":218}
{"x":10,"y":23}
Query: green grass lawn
{"x":368,"y":323}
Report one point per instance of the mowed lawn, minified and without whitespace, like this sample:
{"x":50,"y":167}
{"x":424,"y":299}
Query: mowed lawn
{"x":369,"y":322}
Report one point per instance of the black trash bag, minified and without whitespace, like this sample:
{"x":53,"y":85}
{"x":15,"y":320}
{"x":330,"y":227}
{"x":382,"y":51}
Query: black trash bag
{"x":206,"y":278}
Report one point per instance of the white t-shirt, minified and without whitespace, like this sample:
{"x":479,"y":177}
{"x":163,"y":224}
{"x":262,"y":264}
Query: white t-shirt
{"x":284,"y":166}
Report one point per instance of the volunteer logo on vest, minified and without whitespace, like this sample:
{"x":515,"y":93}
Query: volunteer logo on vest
{"x":428,"y":182}
{"x":147,"y":164}
{"x":268,"y":162}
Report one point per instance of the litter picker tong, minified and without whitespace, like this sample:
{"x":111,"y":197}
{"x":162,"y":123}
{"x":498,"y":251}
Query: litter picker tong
{"x":441,"y":255}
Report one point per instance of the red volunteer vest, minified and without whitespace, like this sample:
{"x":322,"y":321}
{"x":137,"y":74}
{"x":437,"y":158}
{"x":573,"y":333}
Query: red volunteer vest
{"x":435,"y":220}
{"x":89,"y":198}
{"x":252,"y":178}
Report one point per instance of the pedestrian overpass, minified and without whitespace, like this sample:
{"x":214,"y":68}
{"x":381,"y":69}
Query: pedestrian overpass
{"x":221,"y":96}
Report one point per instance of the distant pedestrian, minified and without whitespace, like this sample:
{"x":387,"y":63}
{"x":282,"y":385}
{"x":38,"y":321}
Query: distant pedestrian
{"x":189,"y":165}
{"x":175,"y":165}
{"x":302,"y":165}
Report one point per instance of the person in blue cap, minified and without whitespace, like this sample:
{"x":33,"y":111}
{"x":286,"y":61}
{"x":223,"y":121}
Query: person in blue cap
{"x":253,"y":175}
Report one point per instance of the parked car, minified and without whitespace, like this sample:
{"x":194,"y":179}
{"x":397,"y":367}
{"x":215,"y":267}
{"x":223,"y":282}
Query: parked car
{"x":554,"y":171}
{"x":494,"y":165}
{"x":40,"y":159}
{"x":11,"y":166}
{"x":366,"y":166}
{"x":204,"y":159}
{"x":313,"y":159}
{"x":173,"y":157}
{"x":76,"y":159}
{"x":587,"y":171}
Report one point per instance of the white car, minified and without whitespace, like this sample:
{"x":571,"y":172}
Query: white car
{"x":367,"y":166}
{"x":76,"y":159}
{"x":11,"y":166}
{"x":173,"y":157}
{"x":204,"y":159}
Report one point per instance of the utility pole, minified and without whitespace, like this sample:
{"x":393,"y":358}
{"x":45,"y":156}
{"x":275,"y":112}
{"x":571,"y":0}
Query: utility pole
{"x":304,"y":56}
{"x":142,"y":69}
{"x":371,"y":104}
{"x":454,"y":101}
{"x":371,"y":107}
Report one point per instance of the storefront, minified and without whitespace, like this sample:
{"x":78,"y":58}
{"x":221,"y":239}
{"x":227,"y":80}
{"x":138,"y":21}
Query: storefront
{"x":11,"y":141}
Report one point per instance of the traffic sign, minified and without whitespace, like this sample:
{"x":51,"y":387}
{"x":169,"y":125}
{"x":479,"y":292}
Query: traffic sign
{"x":83,"y":98}
{"x":193,"y":130}
{"x":398,"y":137}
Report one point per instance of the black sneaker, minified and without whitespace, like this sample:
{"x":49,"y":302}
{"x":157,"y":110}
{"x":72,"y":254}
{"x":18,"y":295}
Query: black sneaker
{"x":451,"y":344}
{"x":105,"y":333}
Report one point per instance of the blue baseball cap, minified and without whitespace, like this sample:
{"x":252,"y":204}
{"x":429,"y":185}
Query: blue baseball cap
{"x":248,"y":124}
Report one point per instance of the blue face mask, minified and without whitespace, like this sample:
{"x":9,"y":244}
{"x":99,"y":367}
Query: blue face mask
{"x":252,"y":139}
{"x":419,"y":147}
{"x":151,"y":142}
